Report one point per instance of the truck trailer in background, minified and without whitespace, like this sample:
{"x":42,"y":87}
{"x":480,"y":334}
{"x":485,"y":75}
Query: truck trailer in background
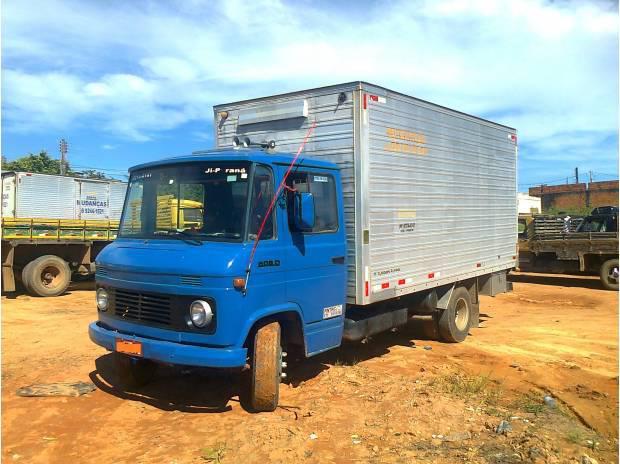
{"x":53,"y":227}
{"x":396,"y":208}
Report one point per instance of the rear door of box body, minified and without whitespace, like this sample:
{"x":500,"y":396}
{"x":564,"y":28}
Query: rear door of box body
{"x":8,"y":194}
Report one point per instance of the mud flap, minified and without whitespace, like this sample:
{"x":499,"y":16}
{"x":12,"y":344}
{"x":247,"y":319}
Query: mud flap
{"x":475,"y":316}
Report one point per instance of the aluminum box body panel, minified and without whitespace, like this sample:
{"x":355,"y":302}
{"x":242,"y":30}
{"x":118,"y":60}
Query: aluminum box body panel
{"x":48,"y":196}
{"x":429,"y":192}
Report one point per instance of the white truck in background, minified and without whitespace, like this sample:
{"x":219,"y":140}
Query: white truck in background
{"x":53,"y":227}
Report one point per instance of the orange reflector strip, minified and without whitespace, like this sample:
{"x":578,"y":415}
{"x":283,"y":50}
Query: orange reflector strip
{"x":366,"y":289}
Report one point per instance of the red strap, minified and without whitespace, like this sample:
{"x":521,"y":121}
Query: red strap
{"x":273,"y":201}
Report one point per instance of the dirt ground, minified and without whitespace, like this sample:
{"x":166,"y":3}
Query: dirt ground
{"x":397,"y":398}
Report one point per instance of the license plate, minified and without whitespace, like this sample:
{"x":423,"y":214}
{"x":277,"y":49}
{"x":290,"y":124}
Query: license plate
{"x":129,"y":347}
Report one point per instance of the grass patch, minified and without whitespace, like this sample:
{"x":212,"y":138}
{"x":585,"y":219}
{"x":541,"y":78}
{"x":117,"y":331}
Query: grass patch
{"x":340,"y":362}
{"x":480,"y":387}
{"x":575,"y":436}
{"x":214,"y":454}
{"x":531,"y":403}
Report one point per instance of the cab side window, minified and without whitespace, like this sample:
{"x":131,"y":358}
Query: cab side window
{"x":323,"y":189}
{"x":262,"y":195}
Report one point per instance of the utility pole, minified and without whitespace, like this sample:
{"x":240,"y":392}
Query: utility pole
{"x":590,"y":176}
{"x":576,"y":175}
{"x":63,"y":156}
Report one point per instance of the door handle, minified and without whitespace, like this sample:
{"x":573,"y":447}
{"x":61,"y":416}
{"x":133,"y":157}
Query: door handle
{"x":338,"y":260}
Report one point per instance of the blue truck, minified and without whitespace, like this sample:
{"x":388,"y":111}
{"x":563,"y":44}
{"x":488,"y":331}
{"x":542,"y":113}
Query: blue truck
{"x":325,"y":215}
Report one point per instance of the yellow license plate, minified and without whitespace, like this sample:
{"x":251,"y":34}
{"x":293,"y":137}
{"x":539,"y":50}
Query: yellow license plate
{"x":129,"y":347}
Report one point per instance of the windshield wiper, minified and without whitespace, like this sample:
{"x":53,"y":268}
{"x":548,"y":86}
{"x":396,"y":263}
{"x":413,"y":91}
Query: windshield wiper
{"x":180,"y":234}
{"x":221,"y":234}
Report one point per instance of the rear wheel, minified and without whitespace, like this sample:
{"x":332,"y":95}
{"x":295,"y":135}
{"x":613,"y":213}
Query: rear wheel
{"x":47,"y":275}
{"x":456,"y":319}
{"x":609,"y":274}
{"x":266,"y":368}
{"x":26,"y":271}
{"x":133,"y":372}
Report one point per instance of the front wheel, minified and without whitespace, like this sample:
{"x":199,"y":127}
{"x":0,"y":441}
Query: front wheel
{"x":456,"y":319}
{"x":609,"y":274}
{"x":266,"y":368}
{"x":133,"y":372}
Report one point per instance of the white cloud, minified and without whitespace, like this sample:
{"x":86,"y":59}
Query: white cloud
{"x":135,"y":71}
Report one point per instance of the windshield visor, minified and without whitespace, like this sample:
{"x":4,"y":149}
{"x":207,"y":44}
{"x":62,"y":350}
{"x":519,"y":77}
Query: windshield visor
{"x":205,"y":200}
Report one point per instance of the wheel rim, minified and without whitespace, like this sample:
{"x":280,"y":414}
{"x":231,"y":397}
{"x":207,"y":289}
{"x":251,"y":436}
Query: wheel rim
{"x":461,"y":316}
{"x":50,"y":277}
{"x":612,"y":276}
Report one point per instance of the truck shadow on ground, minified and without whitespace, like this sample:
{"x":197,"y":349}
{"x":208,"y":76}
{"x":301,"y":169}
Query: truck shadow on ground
{"x":558,"y":280}
{"x":192,"y":390}
{"x":199,"y":390}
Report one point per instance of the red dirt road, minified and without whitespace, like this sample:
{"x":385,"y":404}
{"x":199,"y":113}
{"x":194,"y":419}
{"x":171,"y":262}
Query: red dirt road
{"x":389,"y":400}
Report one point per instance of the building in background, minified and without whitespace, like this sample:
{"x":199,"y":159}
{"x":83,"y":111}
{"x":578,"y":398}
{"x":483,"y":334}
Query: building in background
{"x":577,"y":196}
{"x":528,"y":204}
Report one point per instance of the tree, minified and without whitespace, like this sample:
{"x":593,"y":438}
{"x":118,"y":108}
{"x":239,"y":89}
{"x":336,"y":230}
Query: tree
{"x":91,"y":174}
{"x":41,"y":163}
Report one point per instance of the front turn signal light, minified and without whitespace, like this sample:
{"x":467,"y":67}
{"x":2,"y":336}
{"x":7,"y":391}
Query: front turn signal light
{"x":239,"y":283}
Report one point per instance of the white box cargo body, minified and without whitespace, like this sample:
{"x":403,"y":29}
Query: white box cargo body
{"x":430,"y":193}
{"x":30,"y":195}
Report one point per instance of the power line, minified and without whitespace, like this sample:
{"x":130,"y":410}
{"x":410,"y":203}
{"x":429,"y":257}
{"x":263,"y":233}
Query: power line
{"x":544,"y":182}
{"x":605,"y":174}
{"x":99,"y":169}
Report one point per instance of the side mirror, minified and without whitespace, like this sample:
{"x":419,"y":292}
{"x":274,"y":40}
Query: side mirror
{"x":303,"y":210}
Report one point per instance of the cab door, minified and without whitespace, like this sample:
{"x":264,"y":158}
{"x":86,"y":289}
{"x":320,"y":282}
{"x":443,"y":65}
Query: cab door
{"x":316,"y":258}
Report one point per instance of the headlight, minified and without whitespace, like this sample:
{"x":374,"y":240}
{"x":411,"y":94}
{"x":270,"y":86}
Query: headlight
{"x":200,"y":313}
{"x":102,"y":299}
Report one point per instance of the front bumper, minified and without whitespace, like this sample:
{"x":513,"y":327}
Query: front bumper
{"x":171,"y":352}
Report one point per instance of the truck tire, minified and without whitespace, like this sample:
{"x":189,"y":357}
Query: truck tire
{"x":456,"y":319}
{"x":609,"y":274}
{"x":26,"y":271}
{"x":266,"y":368}
{"x":47,"y":275}
{"x":133,"y":372}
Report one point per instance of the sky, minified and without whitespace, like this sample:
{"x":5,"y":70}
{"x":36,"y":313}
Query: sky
{"x":132,"y":81}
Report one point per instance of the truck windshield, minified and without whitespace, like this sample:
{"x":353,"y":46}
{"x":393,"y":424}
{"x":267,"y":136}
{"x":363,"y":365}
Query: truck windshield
{"x":206,"y":201}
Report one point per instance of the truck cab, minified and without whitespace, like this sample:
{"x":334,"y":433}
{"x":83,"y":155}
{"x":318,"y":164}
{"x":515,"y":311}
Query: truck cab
{"x":251,"y":268}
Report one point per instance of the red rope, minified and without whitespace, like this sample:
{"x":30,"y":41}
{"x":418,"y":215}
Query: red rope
{"x":273,"y":203}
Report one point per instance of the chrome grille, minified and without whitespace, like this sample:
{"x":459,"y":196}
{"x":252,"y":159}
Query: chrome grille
{"x":146,"y":307}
